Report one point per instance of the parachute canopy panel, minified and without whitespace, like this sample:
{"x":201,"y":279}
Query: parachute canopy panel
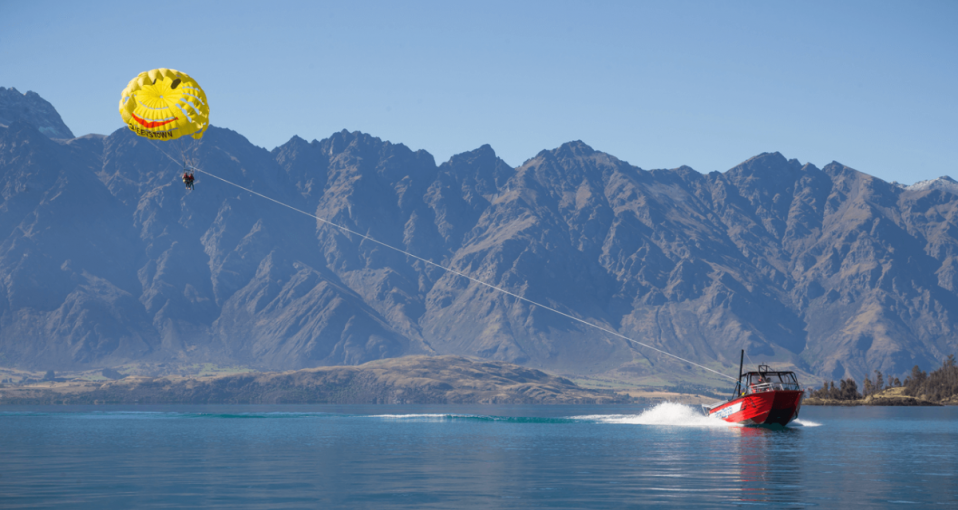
{"x":165,"y":104}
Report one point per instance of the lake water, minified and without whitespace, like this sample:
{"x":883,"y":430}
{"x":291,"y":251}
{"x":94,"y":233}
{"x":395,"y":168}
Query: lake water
{"x":470,"y":457}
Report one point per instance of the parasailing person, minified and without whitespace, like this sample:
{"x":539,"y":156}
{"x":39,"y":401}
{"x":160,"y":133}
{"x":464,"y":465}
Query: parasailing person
{"x":165,"y":104}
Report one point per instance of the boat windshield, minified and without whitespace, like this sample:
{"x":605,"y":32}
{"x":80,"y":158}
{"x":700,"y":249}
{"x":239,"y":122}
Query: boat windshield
{"x":758,"y":382}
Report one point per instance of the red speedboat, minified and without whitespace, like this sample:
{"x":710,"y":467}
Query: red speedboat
{"x":764,"y":397}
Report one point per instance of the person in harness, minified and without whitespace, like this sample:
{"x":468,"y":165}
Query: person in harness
{"x":188,"y":179}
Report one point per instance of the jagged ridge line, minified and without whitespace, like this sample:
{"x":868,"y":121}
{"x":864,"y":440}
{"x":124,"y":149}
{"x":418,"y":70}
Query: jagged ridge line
{"x":444,"y":268}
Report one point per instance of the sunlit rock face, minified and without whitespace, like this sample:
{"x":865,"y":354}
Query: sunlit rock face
{"x":32,"y":109}
{"x":105,"y":259}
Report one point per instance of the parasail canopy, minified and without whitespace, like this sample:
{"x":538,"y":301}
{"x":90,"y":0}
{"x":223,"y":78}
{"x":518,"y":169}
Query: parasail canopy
{"x":165,"y":104}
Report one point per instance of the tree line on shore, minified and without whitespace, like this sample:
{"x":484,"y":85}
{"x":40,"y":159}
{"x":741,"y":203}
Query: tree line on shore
{"x":936,"y":386}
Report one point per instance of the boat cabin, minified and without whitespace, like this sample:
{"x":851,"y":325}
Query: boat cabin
{"x":766,"y":380}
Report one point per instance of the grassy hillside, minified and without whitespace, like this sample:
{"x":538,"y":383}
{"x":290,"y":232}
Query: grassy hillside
{"x":407,"y":380}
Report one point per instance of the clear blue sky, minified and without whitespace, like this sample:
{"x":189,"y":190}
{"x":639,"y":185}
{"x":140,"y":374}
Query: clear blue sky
{"x":871,"y":84}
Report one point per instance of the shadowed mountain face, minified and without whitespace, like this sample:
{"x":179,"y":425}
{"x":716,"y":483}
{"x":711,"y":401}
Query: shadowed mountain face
{"x":105,"y":258}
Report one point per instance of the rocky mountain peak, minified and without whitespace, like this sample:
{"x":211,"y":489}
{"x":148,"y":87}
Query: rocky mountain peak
{"x":355,"y":142}
{"x":573,"y":149}
{"x":293,"y":149}
{"x":943,"y":183}
{"x":767,"y":165}
{"x":297,"y":140}
{"x":32,"y":109}
{"x":481,"y":156}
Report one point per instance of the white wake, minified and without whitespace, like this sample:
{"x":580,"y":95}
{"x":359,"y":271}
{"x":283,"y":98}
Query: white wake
{"x":420,"y":417}
{"x":667,"y":414}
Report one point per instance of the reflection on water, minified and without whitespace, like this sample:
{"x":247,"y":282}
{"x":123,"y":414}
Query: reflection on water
{"x":768,"y":462}
{"x":462,"y":457}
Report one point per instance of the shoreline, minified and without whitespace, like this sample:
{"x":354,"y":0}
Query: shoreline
{"x":407,"y":380}
{"x":881,"y":402}
{"x":886,"y":398}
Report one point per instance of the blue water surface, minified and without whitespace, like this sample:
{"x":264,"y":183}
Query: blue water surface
{"x":469,"y":457}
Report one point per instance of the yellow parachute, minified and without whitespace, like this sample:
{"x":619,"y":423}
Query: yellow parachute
{"x":165,"y":104}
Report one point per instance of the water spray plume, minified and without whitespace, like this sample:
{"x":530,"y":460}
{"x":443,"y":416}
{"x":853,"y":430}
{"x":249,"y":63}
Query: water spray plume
{"x":668,"y":414}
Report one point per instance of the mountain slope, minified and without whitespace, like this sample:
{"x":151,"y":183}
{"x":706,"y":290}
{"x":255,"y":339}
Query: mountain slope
{"x":32,"y":109}
{"x":106,"y":259}
{"x":408,"y":380}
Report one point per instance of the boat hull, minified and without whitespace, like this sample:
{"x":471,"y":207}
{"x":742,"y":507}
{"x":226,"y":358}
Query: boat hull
{"x":777,"y":407}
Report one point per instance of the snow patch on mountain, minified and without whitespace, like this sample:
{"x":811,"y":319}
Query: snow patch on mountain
{"x":943,"y":183}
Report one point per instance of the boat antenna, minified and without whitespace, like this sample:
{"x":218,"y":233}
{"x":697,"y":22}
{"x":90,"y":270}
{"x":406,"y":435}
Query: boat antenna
{"x":738,"y":382}
{"x":741,"y":360}
{"x":445,"y":268}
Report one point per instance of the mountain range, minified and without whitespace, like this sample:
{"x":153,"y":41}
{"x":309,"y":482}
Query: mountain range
{"x":106,"y":259}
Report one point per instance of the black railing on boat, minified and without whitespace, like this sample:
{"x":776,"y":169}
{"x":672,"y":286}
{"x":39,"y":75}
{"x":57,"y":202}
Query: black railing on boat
{"x":773,"y":386}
